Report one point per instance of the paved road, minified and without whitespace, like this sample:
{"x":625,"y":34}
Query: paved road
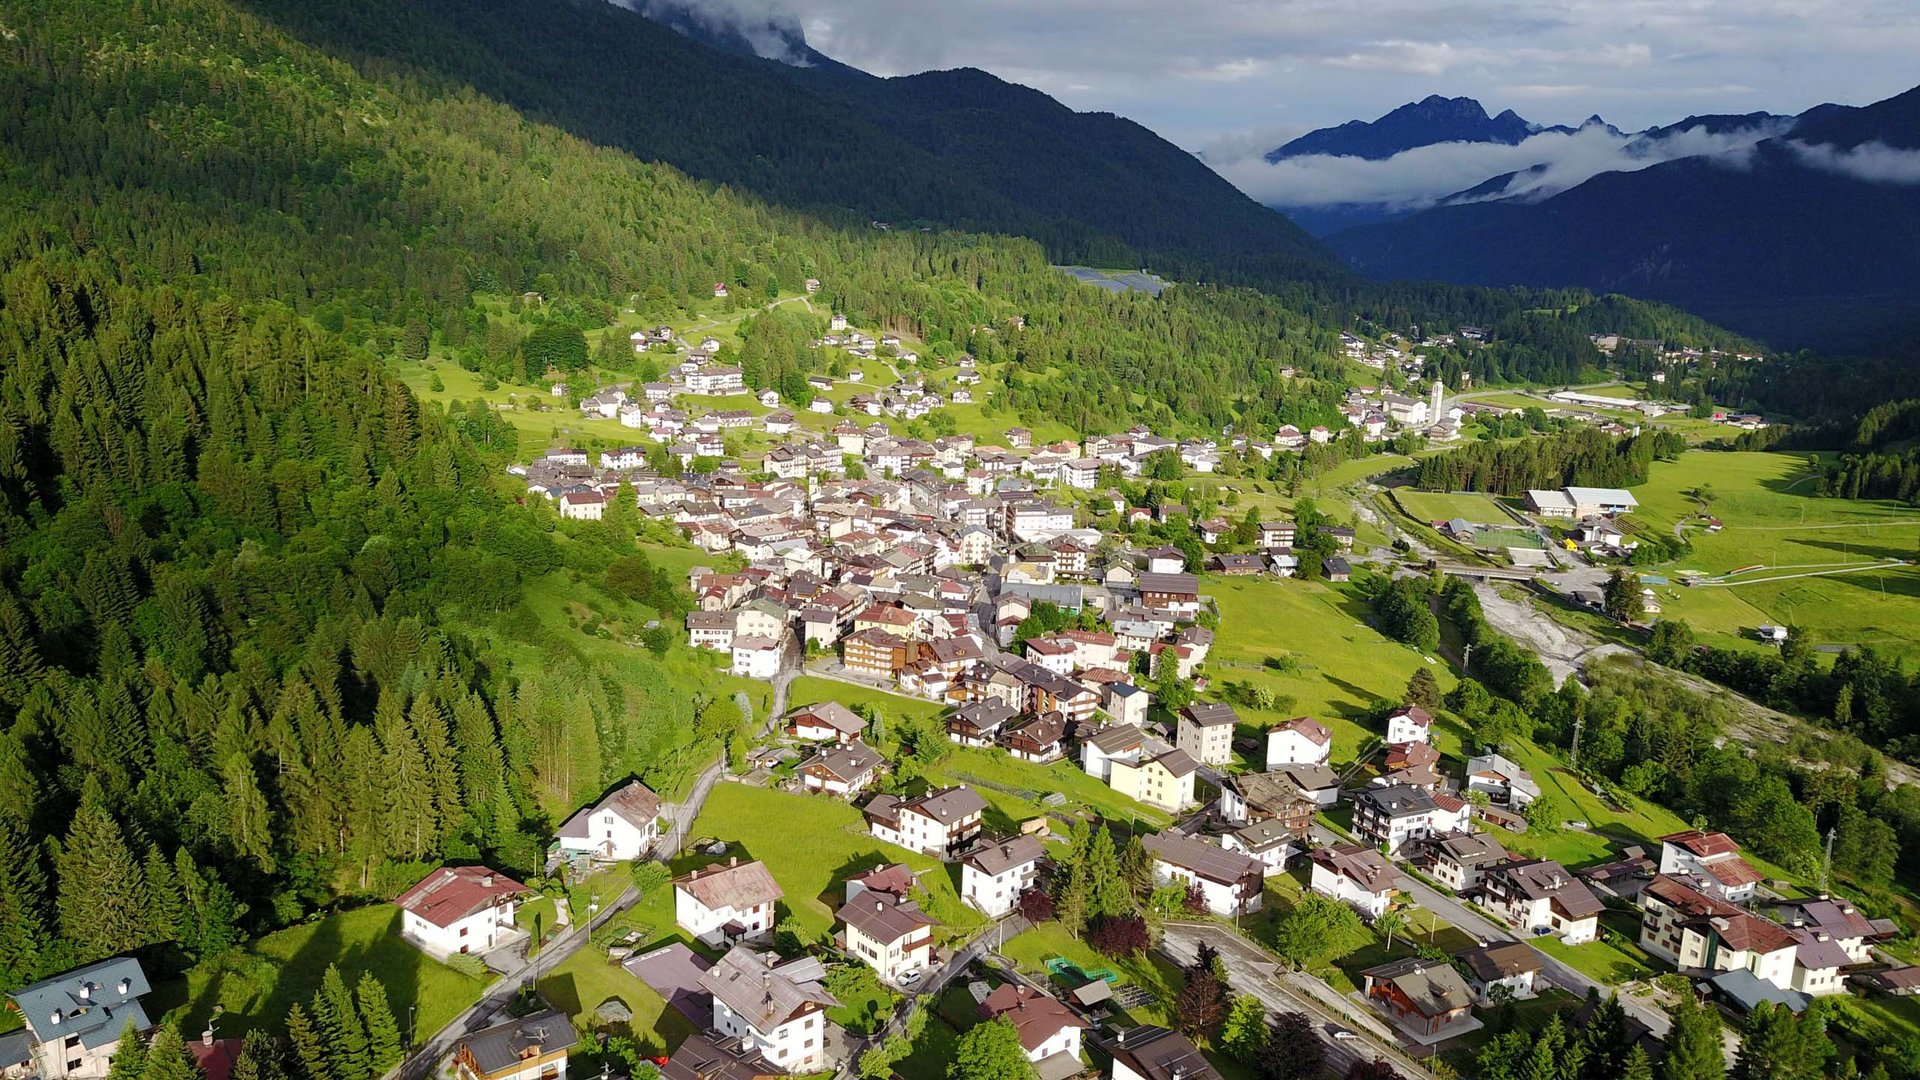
{"x":1252,"y":971}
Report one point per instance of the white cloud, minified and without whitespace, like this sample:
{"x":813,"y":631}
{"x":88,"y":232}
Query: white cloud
{"x":1418,"y":177}
{"x":1874,"y":162}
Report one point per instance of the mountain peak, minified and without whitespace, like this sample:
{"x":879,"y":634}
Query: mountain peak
{"x":1432,"y":119}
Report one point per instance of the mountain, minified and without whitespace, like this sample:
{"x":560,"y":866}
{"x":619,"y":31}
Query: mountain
{"x":1431,"y":120}
{"x":1808,"y":239}
{"x":949,"y":149}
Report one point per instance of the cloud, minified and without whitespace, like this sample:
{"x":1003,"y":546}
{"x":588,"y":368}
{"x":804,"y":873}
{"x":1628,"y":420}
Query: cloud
{"x":1874,"y":162}
{"x":769,"y":28}
{"x":1545,"y":164}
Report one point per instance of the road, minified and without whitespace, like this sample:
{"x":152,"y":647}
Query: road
{"x":1250,"y":970}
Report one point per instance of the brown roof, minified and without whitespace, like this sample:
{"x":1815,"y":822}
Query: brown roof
{"x":882,"y":916}
{"x":735,"y":885}
{"x":849,"y":762}
{"x":1364,"y":866}
{"x":1500,"y":960}
{"x":762,"y":993}
{"x":452,"y":893}
{"x":830,"y":714}
{"x":1203,"y":859}
{"x":1703,"y":844}
{"x":1707,"y":914}
{"x":702,"y":1057}
{"x":1158,"y":1054}
{"x":1434,"y":989}
{"x":634,"y":802}
{"x":1209,"y":714}
{"x":1036,"y":1017}
{"x":1313,"y":730}
{"x":996,"y":857}
{"x":1544,"y":879}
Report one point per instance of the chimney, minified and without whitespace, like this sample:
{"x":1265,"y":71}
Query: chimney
{"x":55,"y":1018}
{"x":86,"y":991}
{"x":206,"y":1037}
{"x":733,"y":860}
{"x":486,"y":881}
{"x":126,"y":986}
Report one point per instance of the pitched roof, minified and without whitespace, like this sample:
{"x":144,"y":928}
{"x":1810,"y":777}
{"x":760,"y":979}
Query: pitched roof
{"x":633,"y":802}
{"x":503,"y":1047}
{"x":848,"y":762}
{"x":95,"y":1003}
{"x":1434,"y":989}
{"x":1036,"y":1017}
{"x":947,"y":805}
{"x":1307,"y":728}
{"x":1470,"y":849}
{"x":1177,"y":762}
{"x":1203,"y":859}
{"x":1310,"y":777}
{"x":1209,"y":714}
{"x":1169,"y":583}
{"x":763,"y":993}
{"x":1544,"y":879}
{"x":1364,"y":866}
{"x":1156,"y":1053}
{"x":1396,"y":800}
{"x":1500,"y":960}
{"x":736,"y":885}
{"x":1118,"y":738}
{"x":702,"y":1057}
{"x":996,"y":857}
{"x":882,"y":916}
{"x":830,"y":714}
{"x":452,"y":893}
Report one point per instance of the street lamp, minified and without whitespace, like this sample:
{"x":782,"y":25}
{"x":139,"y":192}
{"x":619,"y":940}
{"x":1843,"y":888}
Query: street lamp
{"x":410,"y":1011}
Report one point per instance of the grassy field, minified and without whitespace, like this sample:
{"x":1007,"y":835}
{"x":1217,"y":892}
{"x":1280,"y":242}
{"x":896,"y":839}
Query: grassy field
{"x":257,"y":985}
{"x":1344,"y":665}
{"x":1773,"y":519}
{"x":812,"y":690}
{"x":989,"y":771}
{"x":1436,"y":506}
{"x":580,"y":984}
{"x":1606,"y":962}
{"x":812,"y":844}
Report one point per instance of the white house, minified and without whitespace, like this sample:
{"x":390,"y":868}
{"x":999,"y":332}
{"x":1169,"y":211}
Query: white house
{"x":1393,"y":815}
{"x":1272,"y":843}
{"x":1116,"y":741}
{"x":583,"y":505}
{"x":828,"y":720}
{"x":724,"y":904}
{"x":1512,"y":964}
{"x":890,"y":934}
{"x":756,"y":657}
{"x":1047,"y":1027}
{"x":1539,"y":895}
{"x":939,"y":823}
{"x":1230,"y":883}
{"x":1359,"y":876}
{"x":1501,"y":780}
{"x":620,"y":827}
{"x":841,"y":769}
{"x":1712,"y":861}
{"x":459,"y":909}
{"x":1205,"y":732}
{"x":74,"y":1021}
{"x":994,"y":874}
{"x":1300,"y":741}
{"x":775,"y":1007}
{"x":1410,"y":723}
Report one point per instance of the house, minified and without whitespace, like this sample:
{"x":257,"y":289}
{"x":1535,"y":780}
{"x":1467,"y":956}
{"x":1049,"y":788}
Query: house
{"x":1337,"y":568}
{"x":1512,"y":964}
{"x":1501,"y":780}
{"x":1176,"y":593}
{"x":1154,"y":1053}
{"x":711,"y":630}
{"x":1550,"y":504}
{"x":888,"y":933}
{"x":996,"y":872}
{"x":1163,"y":779}
{"x":1114,"y":741}
{"x":722,"y":905}
{"x":773,"y":1007}
{"x":756,"y":657}
{"x":844,"y":769}
{"x":583,"y":505}
{"x":1457,"y":861}
{"x":74,"y":1021}
{"x":1393,"y":815}
{"x":459,"y":909}
{"x":1427,"y":1001}
{"x":1358,"y":876}
{"x":978,"y":723}
{"x":1278,"y":534}
{"x":531,"y":1047}
{"x":1300,"y":741}
{"x":619,"y":828}
{"x":1316,"y":782}
{"x":1413,"y":763}
{"x":938,"y":823}
{"x":828,"y":720}
{"x":1541,"y":895}
{"x":1246,"y":798}
{"x":876,"y":652}
{"x":1838,"y":920}
{"x":1272,"y":843}
{"x":1713,"y":859}
{"x":1205,"y":731}
{"x":1039,"y":739}
{"x":1410,"y":723}
{"x":1229,"y":881}
{"x":1702,"y":934}
{"x":1048,"y":1029}
{"x":703,"y":1057}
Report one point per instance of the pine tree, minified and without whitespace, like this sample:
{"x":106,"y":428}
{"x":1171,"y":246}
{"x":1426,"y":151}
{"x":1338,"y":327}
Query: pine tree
{"x":129,"y":1056}
{"x":259,"y":1059}
{"x":1693,"y":1045}
{"x":167,"y":1058}
{"x":383,"y":1032}
{"x":1637,"y":1065}
{"x":23,"y":898}
{"x":1136,"y":868}
{"x":1073,"y":904}
{"x":309,"y":1047}
{"x":103,"y":896}
{"x":1108,"y":892}
{"x":407,"y":792}
{"x":342,"y":1033}
{"x":166,"y":910}
{"x":249,"y":823}
{"x":1604,"y":1038}
{"x":210,"y":922}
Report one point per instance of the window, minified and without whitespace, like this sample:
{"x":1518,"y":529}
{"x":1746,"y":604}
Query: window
{"x":463,"y":931}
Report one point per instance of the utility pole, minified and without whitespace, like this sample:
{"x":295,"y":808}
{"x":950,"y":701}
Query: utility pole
{"x":1826,"y":865}
{"x":1466,"y":662}
{"x":1579,"y":722}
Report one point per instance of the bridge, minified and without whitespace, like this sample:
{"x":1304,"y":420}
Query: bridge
{"x":1487,"y":573}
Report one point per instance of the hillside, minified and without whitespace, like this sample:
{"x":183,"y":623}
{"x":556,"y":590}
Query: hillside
{"x":952,"y":149}
{"x":1431,"y":120}
{"x":1796,"y":243}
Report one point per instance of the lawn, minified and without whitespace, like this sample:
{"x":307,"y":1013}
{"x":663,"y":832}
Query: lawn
{"x":257,"y":985}
{"x":586,"y":979}
{"x":1608,"y":963}
{"x":1437,"y":506}
{"x":1634,"y":821}
{"x":1153,"y":972}
{"x":992,"y":771}
{"x":811,"y":690}
{"x":812,"y":844}
{"x":1344,"y":665}
{"x":1773,"y":519}
{"x":934,"y":1050}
